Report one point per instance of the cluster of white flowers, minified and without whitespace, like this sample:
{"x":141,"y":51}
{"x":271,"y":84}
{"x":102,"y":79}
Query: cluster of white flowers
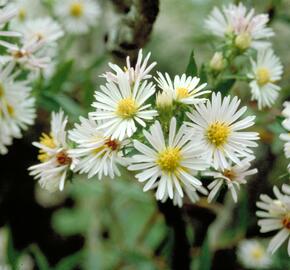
{"x":30,"y":37}
{"x":241,"y":30}
{"x":184,"y":134}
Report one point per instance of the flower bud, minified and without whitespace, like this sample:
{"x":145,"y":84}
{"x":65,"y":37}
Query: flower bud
{"x":164,"y":100}
{"x":217,"y":62}
{"x":243,"y":41}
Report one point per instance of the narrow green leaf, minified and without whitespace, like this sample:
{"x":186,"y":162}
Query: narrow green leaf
{"x":70,"y":262}
{"x":191,"y":69}
{"x":205,"y":259}
{"x":12,"y":254}
{"x":40,"y":259}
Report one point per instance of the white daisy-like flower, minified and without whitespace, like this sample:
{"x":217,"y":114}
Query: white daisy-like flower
{"x":266,"y":71}
{"x":232,"y":177}
{"x":25,"y":9}
{"x":253,"y":255}
{"x":216,"y":128}
{"x":121,"y":106}
{"x":95,"y":154}
{"x":170,"y":163}
{"x":141,"y":71}
{"x":29,"y":54}
{"x":77,"y":16}
{"x":44,"y":28}
{"x":5,"y":16}
{"x":17,"y":110}
{"x":53,"y":155}
{"x":249,"y":30}
{"x":275,"y":215}
{"x":184,"y":89}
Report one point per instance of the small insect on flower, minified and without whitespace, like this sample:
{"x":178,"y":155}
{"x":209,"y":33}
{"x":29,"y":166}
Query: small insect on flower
{"x":266,"y":70}
{"x":170,"y":163}
{"x":121,"y":106}
{"x":53,"y":155}
{"x":216,"y":128}
{"x":247,"y":29}
{"x":275,"y":215}
{"x":138,"y":73}
{"x":253,"y":255}
{"x":77,"y":16}
{"x":184,"y":89}
{"x":95,"y":153}
{"x":232,"y":176}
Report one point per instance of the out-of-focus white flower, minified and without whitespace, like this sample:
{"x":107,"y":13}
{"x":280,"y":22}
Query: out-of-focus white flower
{"x":253,"y":255}
{"x":216,"y":128}
{"x":232,"y":176}
{"x":249,"y":30}
{"x":95,"y":153}
{"x":286,"y":110}
{"x":120,"y":106}
{"x":41,"y":29}
{"x":184,"y":89}
{"x":266,"y":70}
{"x":53,"y":155}
{"x":17,"y":110}
{"x":25,"y":9}
{"x":77,"y":16}
{"x":170,"y":163}
{"x":5,"y":16}
{"x":29,"y":55}
{"x":275,"y":215}
{"x":140,"y":72}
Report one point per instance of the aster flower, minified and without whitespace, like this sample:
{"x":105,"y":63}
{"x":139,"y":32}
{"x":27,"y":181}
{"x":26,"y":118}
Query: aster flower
{"x":121,"y":106}
{"x":17,"y":110}
{"x":216,"y":128}
{"x":232,"y":176}
{"x":5,"y":16}
{"x":170,"y":163}
{"x":41,"y":29}
{"x":253,"y":255}
{"x":184,"y":89}
{"x":266,"y":70}
{"x":77,"y":16}
{"x":139,"y":72}
{"x":275,"y":215}
{"x":53,"y":155}
{"x":28,"y":54}
{"x":95,"y":153}
{"x":286,"y":110}
{"x":248,"y":29}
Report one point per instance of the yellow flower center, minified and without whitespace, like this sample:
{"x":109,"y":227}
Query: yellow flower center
{"x":257,"y":253}
{"x":48,"y":141}
{"x":76,"y":9}
{"x":263,"y":76}
{"x":229,"y":174}
{"x":182,"y":92}
{"x":218,"y":133}
{"x":126,"y":108}
{"x":10,"y":110}
{"x":22,"y":14}
{"x":1,"y":90}
{"x":286,"y":221}
{"x":169,"y":159}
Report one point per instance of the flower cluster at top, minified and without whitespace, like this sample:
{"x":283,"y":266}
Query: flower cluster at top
{"x":171,"y":131}
{"x":244,"y":34}
{"x":29,"y":46}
